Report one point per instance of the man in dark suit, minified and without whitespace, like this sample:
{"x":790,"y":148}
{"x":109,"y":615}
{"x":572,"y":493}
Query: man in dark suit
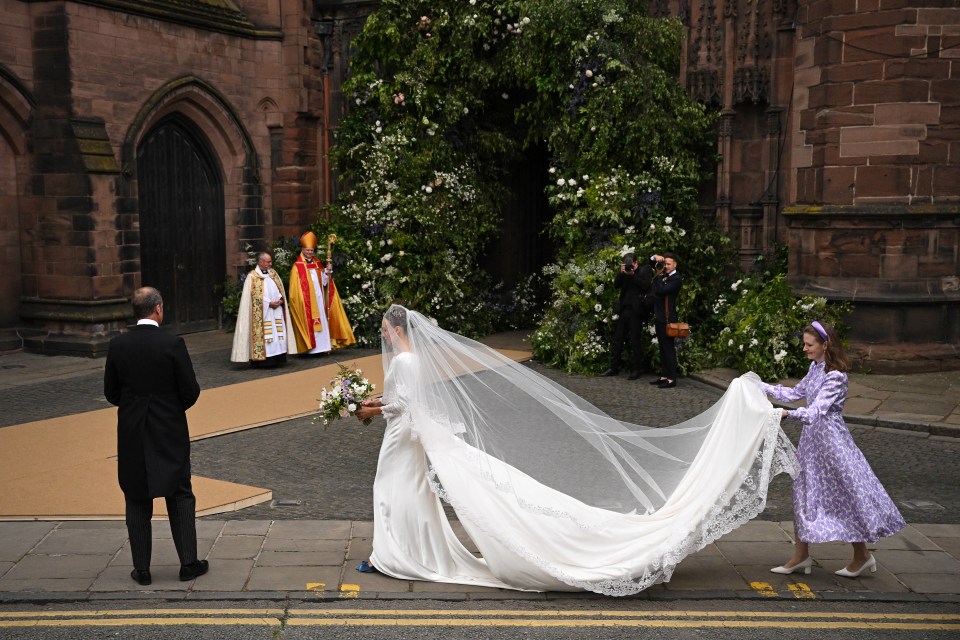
{"x":634,"y":283}
{"x":150,"y":377}
{"x":666,"y":287}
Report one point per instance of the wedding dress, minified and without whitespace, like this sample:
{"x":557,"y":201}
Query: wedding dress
{"x":555,"y":494}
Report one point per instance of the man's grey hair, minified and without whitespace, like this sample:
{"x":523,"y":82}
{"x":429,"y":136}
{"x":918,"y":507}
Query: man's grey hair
{"x":262,"y":254}
{"x":145,"y":300}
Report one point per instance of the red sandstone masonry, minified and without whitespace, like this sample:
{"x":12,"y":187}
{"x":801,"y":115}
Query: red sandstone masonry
{"x":869,"y":19}
{"x":884,"y":181}
{"x":838,"y":184}
{"x":923,"y":182}
{"x":893,"y":91}
{"x":938,"y":17}
{"x":908,"y":113}
{"x":828,"y":50}
{"x":949,"y":115}
{"x":878,"y":133}
{"x":887,"y":151}
{"x":887,"y":5}
{"x":858,"y":72}
{"x":829,"y":156}
{"x":945,"y":91}
{"x":878,"y":44}
{"x":832,"y":95}
{"x":946,"y":180}
{"x":932,"y":152}
{"x":925,"y":68}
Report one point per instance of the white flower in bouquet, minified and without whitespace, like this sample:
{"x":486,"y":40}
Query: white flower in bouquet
{"x":346,"y":393}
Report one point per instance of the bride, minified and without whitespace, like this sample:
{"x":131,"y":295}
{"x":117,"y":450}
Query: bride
{"x":555,"y":494}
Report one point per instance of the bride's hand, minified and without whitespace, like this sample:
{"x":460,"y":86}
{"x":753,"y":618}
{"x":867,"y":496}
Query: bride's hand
{"x":373,"y":402}
{"x":366,"y":411}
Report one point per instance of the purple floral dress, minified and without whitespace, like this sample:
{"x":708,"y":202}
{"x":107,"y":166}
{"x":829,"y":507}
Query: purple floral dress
{"x":836,"y":495}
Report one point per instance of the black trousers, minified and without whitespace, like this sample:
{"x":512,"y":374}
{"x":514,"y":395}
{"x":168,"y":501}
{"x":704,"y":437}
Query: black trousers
{"x":668,"y":352}
{"x":181,"y":510}
{"x":629,"y":327}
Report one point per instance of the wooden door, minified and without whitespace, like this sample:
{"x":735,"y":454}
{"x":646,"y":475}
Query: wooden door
{"x":182,"y":245}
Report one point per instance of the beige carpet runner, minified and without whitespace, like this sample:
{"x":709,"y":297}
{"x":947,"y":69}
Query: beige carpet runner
{"x":65,"y":468}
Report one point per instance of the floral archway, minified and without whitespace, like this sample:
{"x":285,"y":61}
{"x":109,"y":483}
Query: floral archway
{"x":443,"y":94}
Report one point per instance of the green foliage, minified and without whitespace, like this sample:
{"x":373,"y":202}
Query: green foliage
{"x":574,"y":333}
{"x":230,"y":292}
{"x":762,"y":323}
{"x":628,"y":148}
{"x":445,"y":94}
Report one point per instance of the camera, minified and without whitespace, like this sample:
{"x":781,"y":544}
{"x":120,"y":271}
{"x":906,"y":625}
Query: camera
{"x":628,"y":266}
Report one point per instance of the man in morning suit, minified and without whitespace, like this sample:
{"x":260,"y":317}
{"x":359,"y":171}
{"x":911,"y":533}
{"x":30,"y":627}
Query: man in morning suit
{"x":149,"y":376}
{"x":666,"y":286}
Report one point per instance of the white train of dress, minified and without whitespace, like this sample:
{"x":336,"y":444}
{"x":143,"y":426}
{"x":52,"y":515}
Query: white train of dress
{"x":533,"y":537}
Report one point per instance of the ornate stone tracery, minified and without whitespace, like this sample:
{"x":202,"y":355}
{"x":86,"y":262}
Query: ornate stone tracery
{"x":704,"y":85}
{"x":751,"y":83}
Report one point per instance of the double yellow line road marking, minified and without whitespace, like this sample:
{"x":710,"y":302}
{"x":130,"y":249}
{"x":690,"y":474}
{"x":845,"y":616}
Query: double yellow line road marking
{"x":480,"y":618}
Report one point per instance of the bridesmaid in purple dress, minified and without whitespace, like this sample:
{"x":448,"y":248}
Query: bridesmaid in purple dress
{"x":836,"y":495}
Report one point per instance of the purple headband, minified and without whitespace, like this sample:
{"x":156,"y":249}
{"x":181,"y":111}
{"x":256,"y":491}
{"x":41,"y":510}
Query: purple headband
{"x":819,"y":327}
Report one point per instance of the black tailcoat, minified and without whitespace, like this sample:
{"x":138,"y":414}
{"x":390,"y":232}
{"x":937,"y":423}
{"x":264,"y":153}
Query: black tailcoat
{"x":150,"y":377}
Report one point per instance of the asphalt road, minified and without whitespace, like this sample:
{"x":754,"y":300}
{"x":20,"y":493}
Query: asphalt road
{"x":608,"y":619}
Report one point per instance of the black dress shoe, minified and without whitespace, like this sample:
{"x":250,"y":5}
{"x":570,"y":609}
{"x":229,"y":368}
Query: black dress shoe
{"x":609,"y":372}
{"x":658,"y":381}
{"x":142,"y":576}
{"x":667,"y":384}
{"x":194,"y":569}
{"x":633,"y":375}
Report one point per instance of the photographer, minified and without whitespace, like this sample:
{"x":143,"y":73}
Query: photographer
{"x":666,"y":287}
{"x":634,"y":283}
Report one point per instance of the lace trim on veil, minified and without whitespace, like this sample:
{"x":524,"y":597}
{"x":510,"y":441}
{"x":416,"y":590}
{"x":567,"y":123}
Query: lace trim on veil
{"x":776,"y":455}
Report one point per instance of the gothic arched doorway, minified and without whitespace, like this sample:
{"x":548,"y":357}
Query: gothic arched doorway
{"x":182,"y":250}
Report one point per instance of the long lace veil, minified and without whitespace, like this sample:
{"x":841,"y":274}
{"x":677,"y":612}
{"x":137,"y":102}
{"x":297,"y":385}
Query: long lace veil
{"x":667,"y":492}
{"x":515,"y":415}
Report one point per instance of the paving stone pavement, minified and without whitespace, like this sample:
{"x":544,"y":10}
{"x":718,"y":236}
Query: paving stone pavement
{"x":315,"y":560}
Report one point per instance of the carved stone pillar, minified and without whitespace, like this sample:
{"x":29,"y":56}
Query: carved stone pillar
{"x":770,"y":201}
{"x":724,"y":149}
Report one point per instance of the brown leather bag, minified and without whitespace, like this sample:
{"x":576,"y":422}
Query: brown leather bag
{"x":674,"y":329}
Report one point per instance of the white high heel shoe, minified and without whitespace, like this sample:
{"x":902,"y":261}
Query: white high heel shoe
{"x":869,"y":564}
{"x":805,"y":566}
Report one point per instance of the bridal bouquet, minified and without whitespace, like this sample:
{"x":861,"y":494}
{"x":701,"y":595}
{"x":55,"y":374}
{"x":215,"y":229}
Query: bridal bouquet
{"x":347,"y":390}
